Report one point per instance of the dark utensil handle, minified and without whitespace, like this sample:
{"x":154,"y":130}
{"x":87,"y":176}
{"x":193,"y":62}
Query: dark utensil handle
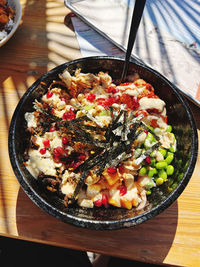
{"x":136,"y":18}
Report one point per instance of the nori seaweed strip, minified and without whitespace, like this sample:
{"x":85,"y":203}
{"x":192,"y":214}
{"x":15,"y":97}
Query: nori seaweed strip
{"x":70,"y":125}
{"x":108,"y":155}
{"x":78,"y":131}
{"x":124,"y":126}
{"x":85,"y":141}
{"x":84,"y":165}
{"x":93,"y":128}
{"x":83,"y":118}
{"x":111,"y":111}
{"x":78,"y":187}
{"x":111,"y":126}
{"x":115,"y":162}
{"x":71,"y":157}
{"x":50,"y":115}
{"x":151,"y":149}
{"x":131,"y":134}
{"x":113,"y":158}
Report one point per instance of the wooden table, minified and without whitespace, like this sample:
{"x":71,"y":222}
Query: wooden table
{"x":42,"y":42}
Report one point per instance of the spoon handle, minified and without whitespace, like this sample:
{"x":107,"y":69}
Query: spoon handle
{"x":136,"y":17}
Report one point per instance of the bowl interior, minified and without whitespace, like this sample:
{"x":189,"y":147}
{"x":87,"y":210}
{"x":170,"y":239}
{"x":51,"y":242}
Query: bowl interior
{"x":179,"y":117}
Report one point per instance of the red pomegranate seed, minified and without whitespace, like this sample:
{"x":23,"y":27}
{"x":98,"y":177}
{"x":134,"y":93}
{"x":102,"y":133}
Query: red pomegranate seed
{"x":64,"y":140}
{"x":46,"y":143}
{"x":82,"y":157}
{"x":62,"y":99}
{"x":148,"y":160}
{"x":122,"y":190}
{"x":52,"y":129}
{"x":70,"y":115}
{"x":59,"y":151}
{"x":135,"y":104}
{"x":49,"y":94}
{"x":105,"y":200}
{"x":56,"y":159}
{"x":112,"y":90}
{"x":76,"y":164}
{"x":112,"y":170}
{"x":98,"y":202}
{"x":121,"y":169}
{"x":91,"y":97}
{"x":56,"y":152}
{"x":42,"y":151}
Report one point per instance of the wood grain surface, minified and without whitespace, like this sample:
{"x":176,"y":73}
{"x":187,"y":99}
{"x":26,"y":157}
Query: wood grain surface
{"x":42,"y":42}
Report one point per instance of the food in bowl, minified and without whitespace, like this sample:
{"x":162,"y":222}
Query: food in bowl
{"x":6,"y":19}
{"x":98,"y":144}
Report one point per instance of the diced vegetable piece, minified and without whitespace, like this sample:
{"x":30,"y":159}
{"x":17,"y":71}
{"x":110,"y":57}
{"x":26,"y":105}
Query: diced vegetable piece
{"x":163,"y":151}
{"x":113,"y":202}
{"x":159,"y":181}
{"x":169,"y":158}
{"x":169,"y":128}
{"x":142,"y":171}
{"x":152,"y":172}
{"x":172,"y":149}
{"x":88,"y":107}
{"x":125,"y":203}
{"x":104,"y":113}
{"x":162,"y":174}
{"x":161,"y":164}
{"x":170,"y":170}
{"x":111,"y":178}
{"x":148,"y":192}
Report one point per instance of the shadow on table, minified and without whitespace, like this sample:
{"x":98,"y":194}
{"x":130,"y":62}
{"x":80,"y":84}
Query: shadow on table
{"x":148,"y":242}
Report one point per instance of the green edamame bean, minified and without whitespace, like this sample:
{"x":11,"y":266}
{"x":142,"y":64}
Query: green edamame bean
{"x":152,"y":172}
{"x":162,"y":174}
{"x":148,"y":192}
{"x":169,"y":158}
{"x":161,"y":164}
{"x":151,"y":128}
{"x":170,"y":170}
{"x":163,"y":151}
{"x":172,"y":149}
{"x":153,"y":162}
{"x":173,"y":137}
{"x":150,"y":136}
{"x":169,"y":128}
{"x":169,"y":153}
{"x":142,"y":171}
{"x":159,"y":181}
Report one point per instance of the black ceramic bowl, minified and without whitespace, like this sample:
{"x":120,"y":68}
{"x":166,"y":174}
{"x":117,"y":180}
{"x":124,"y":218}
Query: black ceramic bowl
{"x":179,"y":116}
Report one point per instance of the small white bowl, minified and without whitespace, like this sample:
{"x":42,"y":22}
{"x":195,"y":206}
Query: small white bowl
{"x":16,"y":6}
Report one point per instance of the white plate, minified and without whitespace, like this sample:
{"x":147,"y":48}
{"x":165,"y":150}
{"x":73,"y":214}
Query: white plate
{"x":15,"y":4}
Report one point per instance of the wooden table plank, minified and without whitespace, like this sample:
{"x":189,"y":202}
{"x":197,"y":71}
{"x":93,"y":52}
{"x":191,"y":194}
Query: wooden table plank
{"x":43,"y":42}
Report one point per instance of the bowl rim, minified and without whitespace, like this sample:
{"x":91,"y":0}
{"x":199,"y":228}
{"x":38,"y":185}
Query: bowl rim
{"x":90,"y":223}
{"x":15,"y":26}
